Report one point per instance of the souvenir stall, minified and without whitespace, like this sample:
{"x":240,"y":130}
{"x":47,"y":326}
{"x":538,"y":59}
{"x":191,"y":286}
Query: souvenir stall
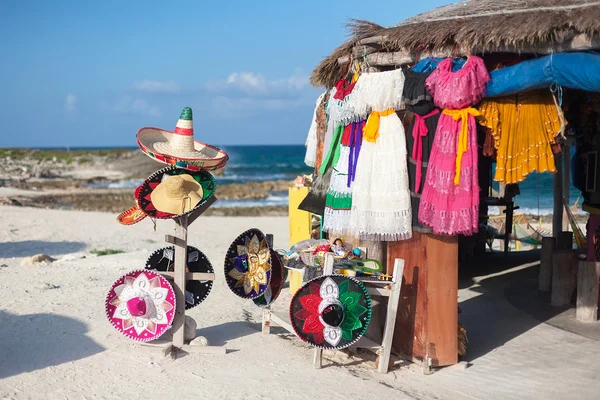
{"x":412,"y":119}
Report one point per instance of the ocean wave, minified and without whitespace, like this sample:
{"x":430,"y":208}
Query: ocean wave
{"x":271,"y":201}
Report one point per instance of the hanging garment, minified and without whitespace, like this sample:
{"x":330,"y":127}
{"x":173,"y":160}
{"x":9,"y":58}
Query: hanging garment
{"x":355,"y":142}
{"x":419,"y":138}
{"x":524,"y":127}
{"x":321,"y":129}
{"x":428,"y":64}
{"x":311,"y":139}
{"x":380,"y":196}
{"x":450,"y":199}
{"x":460,"y":89}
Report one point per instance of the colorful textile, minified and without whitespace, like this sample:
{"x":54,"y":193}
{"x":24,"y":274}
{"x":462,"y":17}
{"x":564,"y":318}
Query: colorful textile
{"x":446,"y":207}
{"x":524,"y":128}
{"x":419,"y":131}
{"x":462,"y":115}
{"x":356,"y":136}
{"x":276,"y":284}
{"x":371,"y":129}
{"x":196,"y":292}
{"x":338,"y":202}
{"x":248,"y":265}
{"x":321,"y":129}
{"x":311,"y":138}
{"x":460,"y":89}
{"x":331,"y":311}
{"x":381,"y":207}
{"x":141,"y":305}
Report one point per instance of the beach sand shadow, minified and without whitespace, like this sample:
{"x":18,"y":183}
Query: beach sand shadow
{"x":219,"y":335}
{"x":36,"y":341}
{"x":497,"y":315}
{"x":27,"y":248}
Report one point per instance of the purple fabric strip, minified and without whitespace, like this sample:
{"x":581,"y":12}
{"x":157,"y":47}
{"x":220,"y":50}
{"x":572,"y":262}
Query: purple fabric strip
{"x":355,"y":143}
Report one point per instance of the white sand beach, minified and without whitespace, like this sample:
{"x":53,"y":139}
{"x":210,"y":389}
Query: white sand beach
{"x":57,"y":343}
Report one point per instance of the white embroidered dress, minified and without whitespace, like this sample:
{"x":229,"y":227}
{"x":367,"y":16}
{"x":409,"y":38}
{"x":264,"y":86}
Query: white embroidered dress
{"x":381,"y":207}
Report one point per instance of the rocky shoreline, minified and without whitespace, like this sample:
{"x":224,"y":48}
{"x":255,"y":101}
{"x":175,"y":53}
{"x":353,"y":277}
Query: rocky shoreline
{"x":59,"y":179}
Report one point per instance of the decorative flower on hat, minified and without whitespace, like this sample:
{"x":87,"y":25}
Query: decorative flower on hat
{"x":142,"y":302}
{"x":251,"y":265}
{"x":330,"y":312}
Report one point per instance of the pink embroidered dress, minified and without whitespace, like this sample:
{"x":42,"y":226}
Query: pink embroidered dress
{"x":450,"y":199}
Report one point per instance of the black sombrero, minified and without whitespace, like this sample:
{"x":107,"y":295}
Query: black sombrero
{"x":202,"y":178}
{"x":195,"y":291}
{"x":276,"y":284}
{"x":331,"y":311}
{"x":248,"y":265}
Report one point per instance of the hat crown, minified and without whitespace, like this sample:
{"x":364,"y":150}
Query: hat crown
{"x":185,"y":127}
{"x":138,"y":306}
{"x":175,"y":187}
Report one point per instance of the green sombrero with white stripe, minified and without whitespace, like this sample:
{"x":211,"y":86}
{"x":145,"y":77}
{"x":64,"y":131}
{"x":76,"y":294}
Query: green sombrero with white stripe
{"x":179,"y":148}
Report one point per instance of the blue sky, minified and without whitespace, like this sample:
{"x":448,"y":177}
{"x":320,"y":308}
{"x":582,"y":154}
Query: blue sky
{"x":91,"y":73}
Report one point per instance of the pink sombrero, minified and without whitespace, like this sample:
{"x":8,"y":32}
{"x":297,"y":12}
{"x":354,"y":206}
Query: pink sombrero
{"x":141,"y":305}
{"x":178,"y":148}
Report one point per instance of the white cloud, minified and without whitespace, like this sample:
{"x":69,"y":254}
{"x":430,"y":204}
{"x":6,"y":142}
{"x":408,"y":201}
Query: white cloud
{"x":70,"y":103}
{"x":254,"y":84}
{"x":157,"y":87}
{"x":127,"y":104}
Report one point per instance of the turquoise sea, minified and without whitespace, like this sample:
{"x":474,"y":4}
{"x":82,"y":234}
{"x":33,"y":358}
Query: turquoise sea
{"x":266,"y":163}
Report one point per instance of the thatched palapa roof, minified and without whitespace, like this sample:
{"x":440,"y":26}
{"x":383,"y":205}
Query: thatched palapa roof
{"x":474,"y":26}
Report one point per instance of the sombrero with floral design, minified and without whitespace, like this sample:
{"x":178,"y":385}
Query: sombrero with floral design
{"x":276,"y":284}
{"x":132,"y":215}
{"x":178,"y":148}
{"x":195,"y":291}
{"x":331,"y":311}
{"x":248,"y":265}
{"x":178,"y":190}
{"x":141,"y":305}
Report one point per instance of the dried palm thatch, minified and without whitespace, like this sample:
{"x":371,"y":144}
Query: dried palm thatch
{"x":478,"y":26}
{"x":328,"y":71}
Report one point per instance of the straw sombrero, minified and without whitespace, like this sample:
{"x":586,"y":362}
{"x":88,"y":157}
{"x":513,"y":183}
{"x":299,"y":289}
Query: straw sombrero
{"x":141,"y":305}
{"x":178,"y":192}
{"x":276,"y":284}
{"x":248,"y":265}
{"x":331,"y":311}
{"x":178,"y":148}
{"x":132,"y":215}
{"x":195,"y":291}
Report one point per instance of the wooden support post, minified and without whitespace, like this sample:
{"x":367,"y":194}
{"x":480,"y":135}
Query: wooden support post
{"x":588,"y":291}
{"x":390,"y":321}
{"x":564,"y":277}
{"x":564,"y":241}
{"x":566,"y":184}
{"x":180,"y":262}
{"x":545,"y":277}
{"x":558,"y":197}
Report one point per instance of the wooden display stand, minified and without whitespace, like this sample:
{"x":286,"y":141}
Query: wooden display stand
{"x":178,"y":279}
{"x":426,"y":330}
{"x":390,"y":289}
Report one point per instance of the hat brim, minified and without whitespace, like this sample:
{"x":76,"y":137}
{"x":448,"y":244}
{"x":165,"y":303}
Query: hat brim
{"x":276,"y":284}
{"x":304,"y":314}
{"x":154,"y":143}
{"x":138,"y":328}
{"x":167,"y":204}
{"x":239,"y":247}
{"x":203,"y":178}
{"x":132,"y":215}
{"x":195,"y":291}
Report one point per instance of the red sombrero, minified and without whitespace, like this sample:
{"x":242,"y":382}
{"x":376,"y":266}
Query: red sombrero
{"x":141,"y":305}
{"x":178,"y":148}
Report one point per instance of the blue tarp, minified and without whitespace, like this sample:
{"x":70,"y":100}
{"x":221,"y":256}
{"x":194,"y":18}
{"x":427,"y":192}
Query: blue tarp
{"x":572,"y":70}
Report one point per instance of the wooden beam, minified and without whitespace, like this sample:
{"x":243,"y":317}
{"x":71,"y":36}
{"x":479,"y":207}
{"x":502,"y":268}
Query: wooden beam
{"x":576,"y":43}
{"x":566,"y":184}
{"x":558,"y":197}
{"x":588,"y":282}
{"x":545,"y":277}
{"x":564,"y":277}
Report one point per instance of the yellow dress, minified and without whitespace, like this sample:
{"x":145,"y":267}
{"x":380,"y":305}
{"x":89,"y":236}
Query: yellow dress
{"x":524,"y":127}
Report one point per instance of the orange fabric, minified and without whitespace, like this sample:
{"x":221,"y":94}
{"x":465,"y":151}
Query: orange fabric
{"x":371,"y":129}
{"x":524,"y":128}
{"x":463,"y":137}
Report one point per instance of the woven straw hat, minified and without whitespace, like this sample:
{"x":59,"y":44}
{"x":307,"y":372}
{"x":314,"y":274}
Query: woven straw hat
{"x":177,"y":194}
{"x":179,"y":148}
